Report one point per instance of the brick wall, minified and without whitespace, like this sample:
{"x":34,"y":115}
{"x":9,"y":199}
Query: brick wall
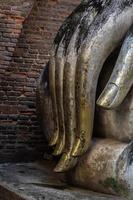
{"x":27,"y":29}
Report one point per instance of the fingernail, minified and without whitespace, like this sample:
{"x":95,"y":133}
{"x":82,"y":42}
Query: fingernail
{"x":56,"y":152}
{"x":59,"y":148}
{"x":66,"y":162}
{"x":76,"y":149}
{"x":54,"y":139}
{"x":108,"y":96}
{"x":61,"y":166}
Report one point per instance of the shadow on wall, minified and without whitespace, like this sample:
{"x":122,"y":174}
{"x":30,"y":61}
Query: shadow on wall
{"x":27,"y":29}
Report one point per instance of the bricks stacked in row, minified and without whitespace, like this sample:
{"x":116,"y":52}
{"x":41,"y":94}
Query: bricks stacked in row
{"x":26,"y":35}
{"x":12,"y":16}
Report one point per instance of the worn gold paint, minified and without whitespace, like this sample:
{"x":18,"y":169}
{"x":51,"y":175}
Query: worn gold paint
{"x":59,"y":71}
{"x":55,"y":134}
{"x":85,"y":130}
{"x":66,"y":162}
{"x":84,"y":111}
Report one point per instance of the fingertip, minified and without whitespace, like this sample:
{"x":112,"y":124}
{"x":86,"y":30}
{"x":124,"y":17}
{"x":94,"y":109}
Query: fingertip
{"x":80,"y":147}
{"x":61,"y":166}
{"x":59,"y":147}
{"x":77,"y":148}
{"x":53,"y":139}
{"x":109,"y":98}
{"x":66,"y":162}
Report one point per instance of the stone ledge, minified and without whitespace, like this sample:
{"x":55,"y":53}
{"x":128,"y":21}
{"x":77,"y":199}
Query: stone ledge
{"x":36,"y":181}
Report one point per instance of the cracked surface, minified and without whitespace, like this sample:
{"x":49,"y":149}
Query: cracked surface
{"x":80,"y":49}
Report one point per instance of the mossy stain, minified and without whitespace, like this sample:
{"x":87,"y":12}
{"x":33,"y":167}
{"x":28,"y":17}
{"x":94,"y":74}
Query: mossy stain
{"x":112,"y":183}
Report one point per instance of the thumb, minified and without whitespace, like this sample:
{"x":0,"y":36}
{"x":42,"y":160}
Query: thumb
{"x":121,"y":79}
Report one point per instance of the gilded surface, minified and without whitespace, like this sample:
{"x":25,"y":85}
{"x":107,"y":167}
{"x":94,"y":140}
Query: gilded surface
{"x":82,"y":46}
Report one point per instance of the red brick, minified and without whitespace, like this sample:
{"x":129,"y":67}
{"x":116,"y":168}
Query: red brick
{"x":26,"y":36}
